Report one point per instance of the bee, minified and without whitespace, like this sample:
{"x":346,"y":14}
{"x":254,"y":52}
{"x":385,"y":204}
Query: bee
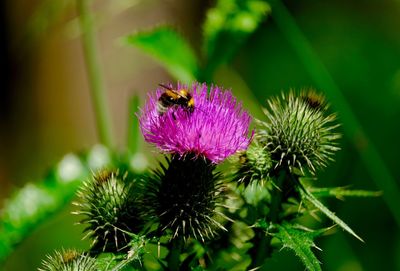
{"x":313,"y":99}
{"x":174,"y":98}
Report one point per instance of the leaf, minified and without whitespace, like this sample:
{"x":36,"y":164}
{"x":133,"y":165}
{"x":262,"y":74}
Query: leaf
{"x":341,"y":192}
{"x":301,"y":242}
{"x":35,"y":202}
{"x":166,"y":46}
{"x":227,"y":26}
{"x":310,"y":197}
{"x":135,"y":253}
{"x":106,"y":261}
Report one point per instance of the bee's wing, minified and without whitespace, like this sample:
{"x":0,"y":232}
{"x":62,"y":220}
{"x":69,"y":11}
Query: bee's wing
{"x":173,"y":91}
{"x":165,"y":86}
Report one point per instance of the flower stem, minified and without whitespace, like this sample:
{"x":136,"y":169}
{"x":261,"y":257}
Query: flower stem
{"x":262,"y":241}
{"x":174,"y":254}
{"x":96,"y":83}
{"x":276,"y":196}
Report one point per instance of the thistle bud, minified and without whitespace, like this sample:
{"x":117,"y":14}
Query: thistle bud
{"x":183,"y":196}
{"x":254,"y":165}
{"x":108,"y":203}
{"x":298,"y":133}
{"x":67,"y":260}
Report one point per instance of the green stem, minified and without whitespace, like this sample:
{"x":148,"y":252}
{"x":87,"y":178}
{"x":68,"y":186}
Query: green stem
{"x":174,"y":254}
{"x":372,"y":159}
{"x":133,"y":125}
{"x":276,"y":196}
{"x":262,"y":241}
{"x":96,"y":83}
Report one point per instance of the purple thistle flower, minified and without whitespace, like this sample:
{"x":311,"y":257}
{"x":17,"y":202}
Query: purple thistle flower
{"x":216,"y":128}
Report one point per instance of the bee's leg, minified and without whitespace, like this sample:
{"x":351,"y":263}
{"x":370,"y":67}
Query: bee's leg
{"x":188,"y":111}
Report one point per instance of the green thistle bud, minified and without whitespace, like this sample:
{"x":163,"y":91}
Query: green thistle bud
{"x":183,"y":196}
{"x":68,"y":260}
{"x":254,"y":165}
{"x":298,"y":133}
{"x":109,"y":203}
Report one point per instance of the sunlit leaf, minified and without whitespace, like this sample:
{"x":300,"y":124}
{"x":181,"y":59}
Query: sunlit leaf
{"x":169,"y":48}
{"x":228,"y":25}
{"x":35,"y":202}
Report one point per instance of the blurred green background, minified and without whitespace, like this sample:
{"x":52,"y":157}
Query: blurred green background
{"x":46,"y":112}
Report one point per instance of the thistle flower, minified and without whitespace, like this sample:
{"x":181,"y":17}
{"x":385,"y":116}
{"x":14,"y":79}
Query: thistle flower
{"x":183,"y":197}
{"x":298,"y":133}
{"x":215,"y":128}
{"x":69,"y":260}
{"x":109,"y":204}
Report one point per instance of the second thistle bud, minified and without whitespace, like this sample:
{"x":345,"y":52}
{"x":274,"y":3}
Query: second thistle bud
{"x":298,"y":133}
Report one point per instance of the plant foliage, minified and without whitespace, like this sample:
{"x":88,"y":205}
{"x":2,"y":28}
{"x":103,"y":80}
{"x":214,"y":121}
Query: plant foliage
{"x":190,"y":213}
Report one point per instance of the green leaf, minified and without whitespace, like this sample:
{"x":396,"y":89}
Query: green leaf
{"x":305,"y":194}
{"x":300,"y":241}
{"x":135,"y":253}
{"x":227,"y":26}
{"x":107,"y":261}
{"x":169,"y":48}
{"x":35,"y":202}
{"x":341,"y":192}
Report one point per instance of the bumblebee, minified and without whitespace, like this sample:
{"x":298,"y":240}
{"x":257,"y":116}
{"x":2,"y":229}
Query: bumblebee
{"x":174,"y":98}
{"x":314,"y":100}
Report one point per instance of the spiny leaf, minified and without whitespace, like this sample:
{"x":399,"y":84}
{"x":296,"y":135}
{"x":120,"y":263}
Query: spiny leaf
{"x":169,"y":48}
{"x":341,"y":192}
{"x":107,"y":261}
{"x":301,"y":242}
{"x":135,"y":253}
{"x":305,"y":194}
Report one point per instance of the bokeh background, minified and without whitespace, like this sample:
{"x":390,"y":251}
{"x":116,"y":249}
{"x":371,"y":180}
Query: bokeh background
{"x":46,"y":111}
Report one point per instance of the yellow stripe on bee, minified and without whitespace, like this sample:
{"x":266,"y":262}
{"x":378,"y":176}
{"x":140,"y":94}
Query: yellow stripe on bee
{"x":183,"y":92}
{"x":172,"y":94}
{"x":191,"y":102}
